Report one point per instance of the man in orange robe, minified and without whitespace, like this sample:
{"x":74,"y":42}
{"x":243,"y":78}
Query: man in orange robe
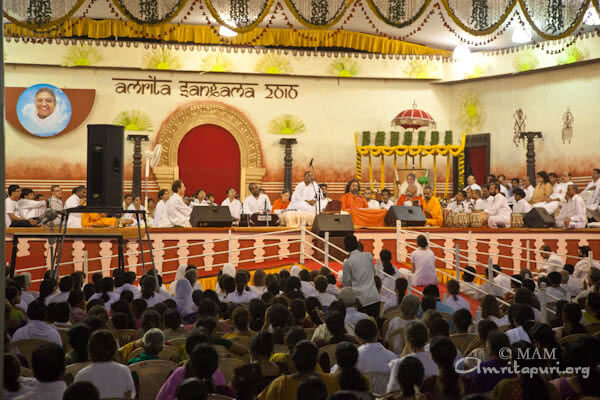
{"x":352,"y":200}
{"x":281,"y":204}
{"x":411,"y":197}
{"x":431,"y":208}
{"x":95,"y":220}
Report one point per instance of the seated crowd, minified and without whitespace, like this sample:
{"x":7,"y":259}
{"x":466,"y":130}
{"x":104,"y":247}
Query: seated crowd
{"x":295,"y":334}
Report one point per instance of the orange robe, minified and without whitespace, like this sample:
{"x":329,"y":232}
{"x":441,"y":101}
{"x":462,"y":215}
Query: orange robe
{"x":90,"y":220}
{"x":279,"y":205}
{"x":417,"y":200}
{"x":352,"y":202}
{"x":434,"y":208}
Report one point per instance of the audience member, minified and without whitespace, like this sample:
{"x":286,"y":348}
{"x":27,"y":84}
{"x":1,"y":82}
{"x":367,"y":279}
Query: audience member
{"x":48,"y":368}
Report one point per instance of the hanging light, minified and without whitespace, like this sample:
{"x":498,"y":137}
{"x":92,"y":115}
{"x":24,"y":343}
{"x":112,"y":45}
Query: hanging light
{"x":226,"y":32}
{"x":461,"y":52}
{"x":521,"y":35}
{"x":591,"y":17}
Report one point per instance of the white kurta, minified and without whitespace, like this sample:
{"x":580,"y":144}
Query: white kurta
{"x":559,"y":190}
{"x":256,"y":204}
{"x":324,"y":203}
{"x":387,"y":205}
{"x":31,"y":208}
{"x":133,"y":217}
{"x":499,"y":212}
{"x":482,"y":204}
{"x":374,"y":204}
{"x":404,"y":188}
{"x":235,"y":207}
{"x":178,"y":213}
{"x":302,"y":194}
{"x":528,"y":192}
{"x":574,"y":209}
{"x":462,"y":207}
{"x":473,"y":187}
{"x":522,"y":207}
{"x":160,"y":215}
{"x":75,"y":218}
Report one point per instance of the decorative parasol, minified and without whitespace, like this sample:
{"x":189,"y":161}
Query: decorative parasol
{"x":413,"y":118}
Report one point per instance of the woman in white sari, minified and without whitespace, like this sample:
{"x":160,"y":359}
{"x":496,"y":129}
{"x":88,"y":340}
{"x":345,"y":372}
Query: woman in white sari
{"x":180,"y":274}
{"x":183,"y":297}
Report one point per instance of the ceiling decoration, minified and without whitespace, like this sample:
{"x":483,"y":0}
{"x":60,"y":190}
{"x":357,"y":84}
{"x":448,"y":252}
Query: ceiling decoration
{"x":478,"y":23}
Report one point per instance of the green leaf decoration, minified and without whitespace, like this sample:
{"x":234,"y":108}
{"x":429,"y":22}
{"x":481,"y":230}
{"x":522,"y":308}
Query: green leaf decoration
{"x":407,"y":138}
{"x":366,"y":138}
{"x":133,"y":120}
{"x":448,"y":137}
{"x":421,"y":138}
{"x":435,"y":138}
{"x":81,"y":55}
{"x":394,"y":138}
{"x":286,"y":124}
{"x":161,"y":59}
{"x":380,"y":138}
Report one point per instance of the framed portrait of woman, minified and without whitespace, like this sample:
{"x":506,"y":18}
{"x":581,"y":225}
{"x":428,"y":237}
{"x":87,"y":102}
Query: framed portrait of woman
{"x":44,"y":110}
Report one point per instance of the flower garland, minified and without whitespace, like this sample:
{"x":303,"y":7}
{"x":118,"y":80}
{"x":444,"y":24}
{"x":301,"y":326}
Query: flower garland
{"x":44,"y":24}
{"x":149,"y":12}
{"x":482,"y":31}
{"x":266,"y":7}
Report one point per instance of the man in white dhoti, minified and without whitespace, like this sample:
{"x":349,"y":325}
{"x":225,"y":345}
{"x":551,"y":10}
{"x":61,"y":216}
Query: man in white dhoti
{"x":75,"y":200}
{"x":591,"y":195}
{"x":160,"y":211}
{"x":178,"y":212}
{"x":521,"y":206}
{"x":573,"y":213}
{"x":482,"y":198}
{"x":459,"y":204}
{"x":256,"y":202}
{"x":558,"y":193}
{"x":499,"y":211}
{"x":411,"y":179}
{"x":371,"y":202}
{"x":235,"y":206}
{"x":306,"y":194}
{"x":471,"y":183}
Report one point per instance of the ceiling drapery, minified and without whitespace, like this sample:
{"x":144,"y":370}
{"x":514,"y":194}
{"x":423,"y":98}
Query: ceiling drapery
{"x":550,"y":19}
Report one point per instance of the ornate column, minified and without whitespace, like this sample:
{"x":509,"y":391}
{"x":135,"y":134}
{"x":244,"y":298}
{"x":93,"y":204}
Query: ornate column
{"x":137,"y":162}
{"x":287,"y":162}
{"x":530,"y":152}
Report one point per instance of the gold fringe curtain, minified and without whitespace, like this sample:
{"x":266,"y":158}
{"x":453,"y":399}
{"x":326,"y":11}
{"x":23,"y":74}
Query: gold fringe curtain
{"x":103,"y":29}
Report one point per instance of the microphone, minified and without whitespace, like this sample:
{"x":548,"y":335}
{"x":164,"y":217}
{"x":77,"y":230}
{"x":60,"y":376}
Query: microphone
{"x":311,"y":161}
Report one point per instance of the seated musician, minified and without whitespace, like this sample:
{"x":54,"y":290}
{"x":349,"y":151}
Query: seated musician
{"x":282,"y":203}
{"x":498,"y":212}
{"x":410,"y":198}
{"x":386,"y":201}
{"x":325,"y":200}
{"x":352,"y":199}
{"x":371,"y":200}
{"x":573,"y":214}
{"x":520,"y":206}
{"x":256,"y":202}
{"x":411,"y":179}
{"x":459,"y":204}
{"x":432,"y":208}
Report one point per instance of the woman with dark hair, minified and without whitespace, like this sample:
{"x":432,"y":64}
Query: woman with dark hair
{"x":314,"y":310}
{"x":78,"y":340}
{"x":261,"y":350}
{"x":257,"y":309}
{"x":521,"y":321}
{"x":388,"y":274}
{"x":347,"y":375}
{"x":298,"y":310}
{"x":410,"y":378}
{"x":258,"y":282}
{"x":15,"y":385}
{"x":423,"y":264}
{"x":106,"y":293}
{"x":149,"y":292}
{"x":240,"y":295}
{"x":527,"y":386}
{"x":571,"y":317}
{"x":113,"y":380}
{"x":278,"y":317}
{"x":543,"y":188}
{"x":585,"y":380}
{"x":204,"y":362}
{"x":122,"y":307}
{"x":542,"y":336}
{"x":47,"y":289}
{"x":490,"y":310}
{"x":447,"y":384}
{"x":454,"y":300}
{"x":305,"y":360}
{"x":241,"y":319}
{"x":337,"y":328}
{"x":400,"y":287}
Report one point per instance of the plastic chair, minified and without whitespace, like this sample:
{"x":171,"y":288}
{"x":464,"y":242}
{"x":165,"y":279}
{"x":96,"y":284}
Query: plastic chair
{"x":125,"y":336}
{"x":329,"y":350}
{"x":391,"y":343}
{"x":572,"y":338}
{"x":152,"y":374}
{"x":27,"y":347}
{"x":73,"y":369}
{"x":378,"y":382}
{"x":168,"y":353}
{"x":391,"y":312}
{"x":462,"y":340}
{"x":227,"y":367}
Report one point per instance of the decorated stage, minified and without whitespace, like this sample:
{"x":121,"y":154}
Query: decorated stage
{"x":271,"y":247}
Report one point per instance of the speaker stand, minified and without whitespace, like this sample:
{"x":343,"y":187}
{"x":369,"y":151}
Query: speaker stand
{"x":137,"y":162}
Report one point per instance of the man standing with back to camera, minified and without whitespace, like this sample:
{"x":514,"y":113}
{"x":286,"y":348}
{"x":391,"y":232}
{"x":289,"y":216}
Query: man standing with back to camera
{"x":359,"y":274}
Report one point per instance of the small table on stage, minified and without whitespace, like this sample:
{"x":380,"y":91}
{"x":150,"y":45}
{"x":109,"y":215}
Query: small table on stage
{"x":368,"y":217}
{"x":56,"y":235}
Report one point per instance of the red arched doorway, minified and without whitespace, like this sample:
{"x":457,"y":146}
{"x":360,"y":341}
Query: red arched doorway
{"x":209,"y":158}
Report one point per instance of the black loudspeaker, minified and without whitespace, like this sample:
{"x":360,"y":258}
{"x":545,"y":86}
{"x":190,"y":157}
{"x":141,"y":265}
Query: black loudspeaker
{"x":336,"y":225}
{"x":105,"y":166}
{"x":410,"y":216}
{"x":538,"y":218}
{"x":216,"y":216}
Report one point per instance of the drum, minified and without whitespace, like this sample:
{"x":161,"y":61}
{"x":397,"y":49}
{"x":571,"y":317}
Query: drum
{"x":448,"y":217}
{"x":516,"y":220}
{"x":476,"y":220}
{"x":461,"y":220}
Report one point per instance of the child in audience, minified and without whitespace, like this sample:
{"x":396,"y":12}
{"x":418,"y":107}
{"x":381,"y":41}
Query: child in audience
{"x":454,"y":300}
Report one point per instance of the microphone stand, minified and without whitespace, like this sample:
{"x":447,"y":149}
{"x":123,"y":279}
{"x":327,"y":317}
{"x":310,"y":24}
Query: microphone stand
{"x":266,"y":214}
{"x":317,"y":191}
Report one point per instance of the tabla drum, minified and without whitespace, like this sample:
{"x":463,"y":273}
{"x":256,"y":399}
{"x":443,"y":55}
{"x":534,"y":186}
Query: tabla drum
{"x":448,"y":217}
{"x":476,"y":220}
{"x":516,"y":220}
{"x":461,"y":220}
{"x":262,"y":219}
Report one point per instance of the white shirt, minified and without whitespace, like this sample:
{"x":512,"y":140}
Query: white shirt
{"x":528,"y":192}
{"x":373,"y":204}
{"x":574,"y":209}
{"x":582,"y":268}
{"x":256,"y":204}
{"x":359,"y":274}
{"x":112,"y":298}
{"x":472,"y":187}
{"x":482,"y":204}
{"x":428,"y":365}
{"x":245,"y":297}
{"x":395,"y":324}
{"x":325,"y":298}
{"x":133,"y":216}
{"x":160,"y":215}
{"x":61,"y":297}
{"x":522,"y":207}
{"x":389,"y":282}
{"x":235,"y":207}
{"x":31,"y":208}
{"x":423,"y":261}
{"x":128,"y":286}
{"x":303,"y":193}
{"x":178,"y":213}
{"x":155,"y":299}
{"x":324,"y":203}
{"x":559,"y":190}
{"x":75,"y":218}
{"x":516,"y":334}
{"x":307,"y":289}
{"x":503,"y":190}
{"x":499,"y":207}
{"x":113,"y":380}
{"x":332,"y":289}
{"x":462,"y":207}
{"x":458,"y":303}
{"x":553,"y":263}
{"x":352,"y":317}
{"x":10,"y":207}
{"x":37,"y":330}
{"x":46,"y":391}
{"x":386,"y":205}
{"x":26,"y":385}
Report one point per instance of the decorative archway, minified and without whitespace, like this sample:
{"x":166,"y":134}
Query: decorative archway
{"x":191,"y":115}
